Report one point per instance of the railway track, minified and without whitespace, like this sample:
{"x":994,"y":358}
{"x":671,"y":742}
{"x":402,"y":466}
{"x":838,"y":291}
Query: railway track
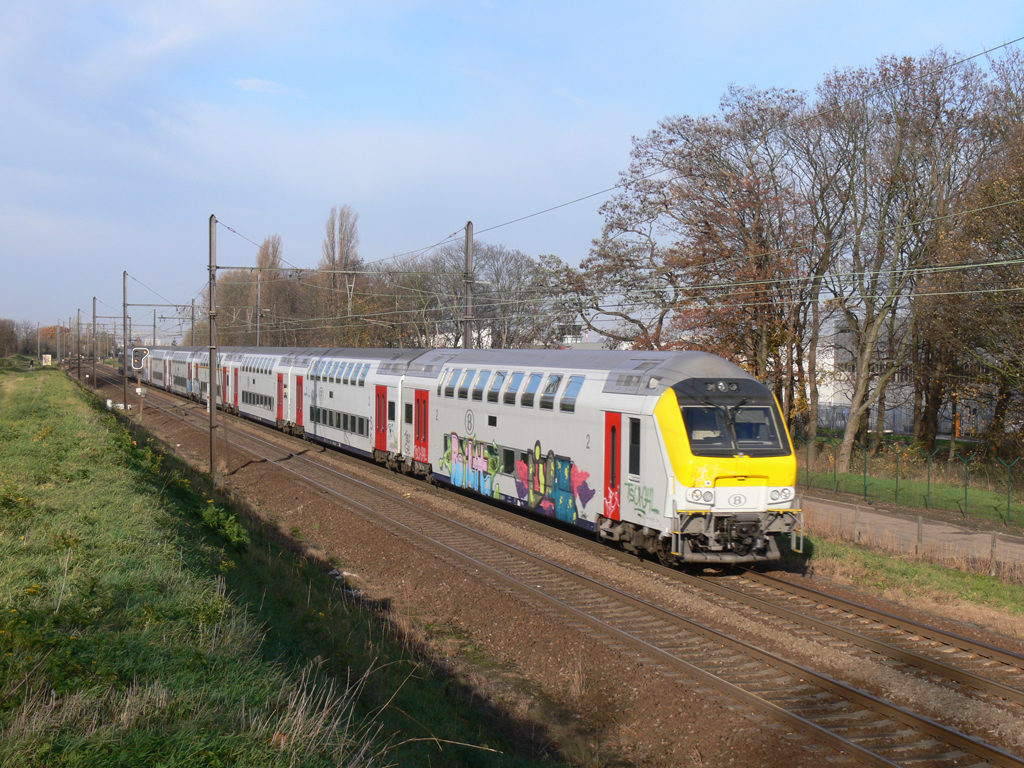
{"x":850,"y":720}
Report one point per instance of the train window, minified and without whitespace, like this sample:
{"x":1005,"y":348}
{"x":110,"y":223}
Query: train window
{"x":344,"y":421}
{"x":508,"y":461}
{"x":362,"y":376}
{"x":391,"y":410}
{"x":513,"y":388}
{"x":547,"y":397}
{"x":532,"y":385}
{"x":350,"y":374}
{"x":449,"y":388}
{"x":466,"y":381}
{"x":408,"y":413}
{"x":613,"y":456}
{"x":492,"y":421}
{"x":363,"y":430}
{"x":481,"y":385}
{"x":572,"y":391}
{"x":634,"y":446}
{"x":705,"y":427}
{"x":495,"y":390}
{"x":343,"y":373}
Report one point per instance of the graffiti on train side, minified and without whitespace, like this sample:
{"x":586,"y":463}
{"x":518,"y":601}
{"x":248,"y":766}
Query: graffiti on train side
{"x":642,"y":499}
{"x":552,"y":485}
{"x":471,"y":464}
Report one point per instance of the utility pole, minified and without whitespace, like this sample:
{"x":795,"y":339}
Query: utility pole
{"x":259,"y":311}
{"x":213,"y":349}
{"x":78,"y":340}
{"x":124,"y":349}
{"x":154,"y":328}
{"x":192,"y":341}
{"x":94,"y":351}
{"x":467,"y":331}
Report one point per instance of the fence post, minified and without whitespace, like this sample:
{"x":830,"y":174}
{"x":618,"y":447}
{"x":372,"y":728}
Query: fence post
{"x":992,"y":555}
{"x":920,"y":534}
{"x":865,"y":473}
{"x":967,"y":463}
{"x":928,"y":461}
{"x":898,"y":448}
{"x":808,"y":465}
{"x":1008,"y":468}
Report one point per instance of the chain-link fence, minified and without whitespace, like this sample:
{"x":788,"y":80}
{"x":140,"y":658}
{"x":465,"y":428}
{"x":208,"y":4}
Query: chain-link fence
{"x":960,"y":478}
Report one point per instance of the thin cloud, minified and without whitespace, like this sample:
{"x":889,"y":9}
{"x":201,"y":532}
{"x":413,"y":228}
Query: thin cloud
{"x":260,"y":86}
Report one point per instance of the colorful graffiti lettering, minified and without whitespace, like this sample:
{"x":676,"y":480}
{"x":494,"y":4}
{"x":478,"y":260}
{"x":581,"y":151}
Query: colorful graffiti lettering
{"x":551,"y":484}
{"x":642,"y":498}
{"x":471,"y":464}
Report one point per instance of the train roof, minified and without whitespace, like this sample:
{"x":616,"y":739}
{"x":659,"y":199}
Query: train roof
{"x":644,"y":372}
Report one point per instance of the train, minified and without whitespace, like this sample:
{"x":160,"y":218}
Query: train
{"x":682,"y":456}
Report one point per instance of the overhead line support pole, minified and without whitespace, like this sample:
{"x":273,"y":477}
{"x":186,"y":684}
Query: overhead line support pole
{"x":124,"y":349}
{"x":467,"y":329}
{"x":212,"y":397}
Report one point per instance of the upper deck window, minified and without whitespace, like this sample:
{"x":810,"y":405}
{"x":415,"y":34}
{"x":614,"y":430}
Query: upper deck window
{"x":495,"y":390}
{"x":532,"y":385}
{"x":547,"y":397}
{"x":481,"y":384}
{"x":513,"y":388}
{"x":449,"y":388}
{"x":466,"y":381}
{"x":572,"y":391}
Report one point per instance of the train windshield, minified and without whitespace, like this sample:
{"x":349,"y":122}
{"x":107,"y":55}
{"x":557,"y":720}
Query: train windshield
{"x":718,"y":430}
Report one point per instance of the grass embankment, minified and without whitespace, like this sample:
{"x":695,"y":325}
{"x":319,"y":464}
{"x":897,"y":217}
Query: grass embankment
{"x":142,"y":624}
{"x":955,"y":588}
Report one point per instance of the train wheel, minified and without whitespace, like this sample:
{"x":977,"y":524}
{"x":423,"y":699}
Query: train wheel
{"x":663,"y":551}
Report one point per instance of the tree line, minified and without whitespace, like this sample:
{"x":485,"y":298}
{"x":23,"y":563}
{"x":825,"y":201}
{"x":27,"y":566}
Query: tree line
{"x":880,"y":217}
{"x":877,"y":220}
{"x":415,"y":300}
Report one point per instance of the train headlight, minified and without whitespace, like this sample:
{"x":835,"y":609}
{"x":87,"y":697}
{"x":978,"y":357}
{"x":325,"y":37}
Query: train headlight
{"x":786,"y":493}
{"x":708,"y":497}
{"x":775,"y":495}
{"x":695,"y":494}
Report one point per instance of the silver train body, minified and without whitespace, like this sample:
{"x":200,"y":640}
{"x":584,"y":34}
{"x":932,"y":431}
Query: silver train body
{"x":682,"y":455}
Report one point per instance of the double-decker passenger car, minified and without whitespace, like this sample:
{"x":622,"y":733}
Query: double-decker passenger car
{"x":679,"y":454}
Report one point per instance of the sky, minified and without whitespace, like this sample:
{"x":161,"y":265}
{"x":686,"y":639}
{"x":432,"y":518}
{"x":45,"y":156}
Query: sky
{"x":125,"y":125}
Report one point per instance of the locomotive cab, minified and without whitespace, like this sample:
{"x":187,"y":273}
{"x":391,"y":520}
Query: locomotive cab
{"x":734,"y":470}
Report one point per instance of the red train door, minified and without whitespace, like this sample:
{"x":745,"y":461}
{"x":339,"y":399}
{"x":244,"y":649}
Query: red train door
{"x":380,"y":421}
{"x":235,"y":388}
{"x":420,"y":419}
{"x":224,"y":387}
{"x":280,"y":397}
{"x":298,"y":401}
{"x":612,"y":463}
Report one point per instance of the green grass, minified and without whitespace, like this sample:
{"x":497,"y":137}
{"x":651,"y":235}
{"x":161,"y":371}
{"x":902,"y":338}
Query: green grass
{"x":143,"y":622}
{"x":881,"y":571}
